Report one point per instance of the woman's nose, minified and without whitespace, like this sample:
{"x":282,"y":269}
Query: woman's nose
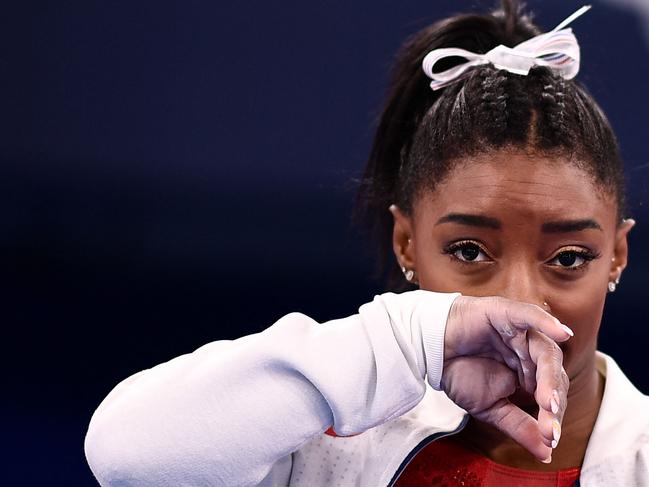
{"x":521,"y":282}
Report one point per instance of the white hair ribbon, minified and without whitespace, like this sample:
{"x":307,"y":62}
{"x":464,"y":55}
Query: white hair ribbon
{"x":557,"y":49}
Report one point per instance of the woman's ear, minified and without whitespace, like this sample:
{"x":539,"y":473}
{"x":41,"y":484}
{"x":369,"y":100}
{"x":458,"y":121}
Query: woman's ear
{"x":403,"y":239}
{"x":621,"y":250}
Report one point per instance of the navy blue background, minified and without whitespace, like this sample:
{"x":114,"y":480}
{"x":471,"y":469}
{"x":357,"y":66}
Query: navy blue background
{"x":174,"y":173}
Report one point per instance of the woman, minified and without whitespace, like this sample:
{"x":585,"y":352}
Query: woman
{"x":502,"y":182}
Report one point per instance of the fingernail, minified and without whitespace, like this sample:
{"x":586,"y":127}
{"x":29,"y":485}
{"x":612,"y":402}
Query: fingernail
{"x":556,"y":431}
{"x":554,"y":443}
{"x":554,"y":402}
{"x":547,"y":460}
{"x":567,"y":330}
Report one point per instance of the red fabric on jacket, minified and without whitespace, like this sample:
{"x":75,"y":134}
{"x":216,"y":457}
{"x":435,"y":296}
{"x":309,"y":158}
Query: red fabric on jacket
{"x":446,"y":463}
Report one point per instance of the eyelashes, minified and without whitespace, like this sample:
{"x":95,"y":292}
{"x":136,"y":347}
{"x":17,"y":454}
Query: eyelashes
{"x":573,"y":258}
{"x":467,"y":251}
{"x":472,"y":253}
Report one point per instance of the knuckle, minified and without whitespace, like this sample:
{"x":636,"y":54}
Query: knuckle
{"x":565,"y":380}
{"x":502,"y":419}
{"x":534,"y":309}
{"x":551,"y":350}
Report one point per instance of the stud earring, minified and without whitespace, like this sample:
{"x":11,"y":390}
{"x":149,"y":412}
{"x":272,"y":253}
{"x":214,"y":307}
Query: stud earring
{"x":612,"y":285}
{"x":410,"y":274}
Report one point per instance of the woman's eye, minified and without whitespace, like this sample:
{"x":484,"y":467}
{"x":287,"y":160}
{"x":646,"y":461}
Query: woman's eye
{"x":468,"y":252}
{"x":571,"y":259}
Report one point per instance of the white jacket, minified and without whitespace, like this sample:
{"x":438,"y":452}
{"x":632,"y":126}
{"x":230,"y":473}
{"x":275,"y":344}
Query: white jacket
{"x":253,"y":411}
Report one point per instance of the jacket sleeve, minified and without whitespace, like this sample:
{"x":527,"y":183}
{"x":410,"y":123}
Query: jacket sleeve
{"x":232,"y":412}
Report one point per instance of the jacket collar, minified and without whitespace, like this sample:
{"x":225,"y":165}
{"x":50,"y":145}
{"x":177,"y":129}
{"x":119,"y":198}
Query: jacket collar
{"x":614,"y":433}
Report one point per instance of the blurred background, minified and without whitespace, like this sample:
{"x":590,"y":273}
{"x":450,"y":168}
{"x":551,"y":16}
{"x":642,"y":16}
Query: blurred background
{"x":180,"y":172}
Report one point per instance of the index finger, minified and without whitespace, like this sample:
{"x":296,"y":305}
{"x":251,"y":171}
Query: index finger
{"x":510,"y":318}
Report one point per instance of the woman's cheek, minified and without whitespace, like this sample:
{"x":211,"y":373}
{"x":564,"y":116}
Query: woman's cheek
{"x":581,"y":311}
{"x":440,"y":273}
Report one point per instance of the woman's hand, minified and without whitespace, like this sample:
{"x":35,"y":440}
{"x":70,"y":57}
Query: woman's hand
{"x":492,"y":346}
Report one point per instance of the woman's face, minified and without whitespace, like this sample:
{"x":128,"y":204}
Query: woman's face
{"x":524,"y":227}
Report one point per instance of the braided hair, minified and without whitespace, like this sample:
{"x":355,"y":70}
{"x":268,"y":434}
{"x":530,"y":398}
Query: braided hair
{"x":422,"y":133}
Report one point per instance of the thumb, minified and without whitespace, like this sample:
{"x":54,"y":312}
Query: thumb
{"x":518,"y":425}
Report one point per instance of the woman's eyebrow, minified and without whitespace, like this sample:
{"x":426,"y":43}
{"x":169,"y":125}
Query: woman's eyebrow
{"x":560,"y":226}
{"x":472,"y":220}
{"x":566,"y":226}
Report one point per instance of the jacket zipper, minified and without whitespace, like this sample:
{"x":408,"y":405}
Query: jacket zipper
{"x":423,"y":444}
